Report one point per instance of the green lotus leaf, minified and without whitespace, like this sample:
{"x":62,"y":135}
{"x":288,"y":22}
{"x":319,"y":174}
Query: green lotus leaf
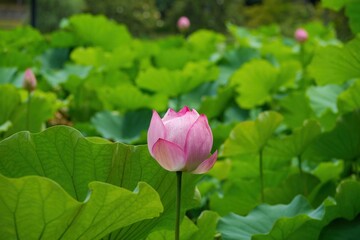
{"x":341,"y":229}
{"x":25,"y":115}
{"x":273,"y":222}
{"x":129,"y":97}
{"x":343,"y":142}
{"x":120,"y":57}
{"x":71,"y":160}
{"x":257,"y":87}
{"x":323,"y":98}
{"x":35,"y":207}
{"x":97,"y":31}
{"x":295,"y":107}
{"x":336,"y":65}
{"x":203,"y":43}
{"x":352,"y":12}
{"x":9,"y":101}
{"x":238,"y":196}
{"x":7,"y":74}
{"x":215,"y":105}
{"x":250,"y":137}
{"x":295,"y":221}
{"x":295,"y":144}
{"x":349,"y":100}
{"x":187,"y":229}
{"x":292,"y":186}
{"x":172,"y":58}
{"x":125,"y":128}
{"x":173,"y":83}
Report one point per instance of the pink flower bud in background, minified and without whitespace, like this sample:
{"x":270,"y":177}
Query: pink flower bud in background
{"x":183,"y":24}
{"x":29,"y":80}
{"x":301,"y":35}
{"x":181,"y":141}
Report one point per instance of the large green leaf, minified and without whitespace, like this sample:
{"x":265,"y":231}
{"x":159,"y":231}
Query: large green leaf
{"x":97,"y":31}
{"x":206,"y":223}
{"x":125,"y":128}
{"x":215,"y":105}
{"x":240,"y":192}
{"x":349,"y":100}
{"x":205,"y":229}
{"x":20,"y":46}
{"x":343,"y":218}
{"x":63,"y":155}
{"x":120,"y":57}
{"x":9,"y":101}
{"x":347,"y":201}
{"x":341,"y":229}
{"x":257,"y":87}
{"x":237,"y":196}
{"x":173,"y":83}
{"x":296,"y":108}
{"x":343,"y":142}
{"x":7,"y":74}
{"x":55,"y":77}
{"x":352,"y":12}
{"x":273,"y":222}
{"x":352,"y":8}
{"x":25,"y":115}
{"x":35,"y":207}
{"x":295,"y":221}
{"x":323,"y":98}
{"x":327,"y":171}
{"x":172,"y":58}
{"x":33,"y":115}
{"x":129,"y":97}
{"x":203,"y":43}
{"x":250,"y":137}
{"x":295,"y":144}
{"x":187,"y":229}
{"x":295,"y":184}
{"x":333,"y":64}
{"x":254,"y":86}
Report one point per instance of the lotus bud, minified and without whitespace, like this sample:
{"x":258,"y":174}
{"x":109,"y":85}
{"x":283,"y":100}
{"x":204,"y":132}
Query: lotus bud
{"x":183,"y":24}
{"x":181,"y":141}
{"x":301,"y":35}
{"x":29,"y":80}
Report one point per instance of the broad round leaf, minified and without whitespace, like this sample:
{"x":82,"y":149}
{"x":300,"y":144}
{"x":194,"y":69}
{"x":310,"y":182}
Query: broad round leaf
{"x":35,"y":207}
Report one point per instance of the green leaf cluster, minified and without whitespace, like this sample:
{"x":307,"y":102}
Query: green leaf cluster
{"x":284,"y":117}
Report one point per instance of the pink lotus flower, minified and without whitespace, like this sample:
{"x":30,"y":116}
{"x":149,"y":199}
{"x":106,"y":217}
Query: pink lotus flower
{"x":183,"y":24}
{"x":181,"y":141}
{"x":29,"y":80}
{"x":301,"y":35}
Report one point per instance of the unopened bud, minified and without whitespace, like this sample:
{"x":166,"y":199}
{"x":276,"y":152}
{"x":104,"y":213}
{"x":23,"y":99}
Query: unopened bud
{"x":301,"y":35}
{"x":183,"y":24}
{"x":29,"y":80}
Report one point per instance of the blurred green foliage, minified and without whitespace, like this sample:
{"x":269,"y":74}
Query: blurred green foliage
{"x":51,"y":12}
{"x":145,"y":16}
{"x":285,"y":118}
{"x":149,"y":17}
{"x":142,"y":16}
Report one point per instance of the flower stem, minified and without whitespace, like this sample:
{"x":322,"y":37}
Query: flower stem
{"x":302,"y":56}
{"x":28,"y":111}
{"x":261,"y":175}
{"x":178,"y":204}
